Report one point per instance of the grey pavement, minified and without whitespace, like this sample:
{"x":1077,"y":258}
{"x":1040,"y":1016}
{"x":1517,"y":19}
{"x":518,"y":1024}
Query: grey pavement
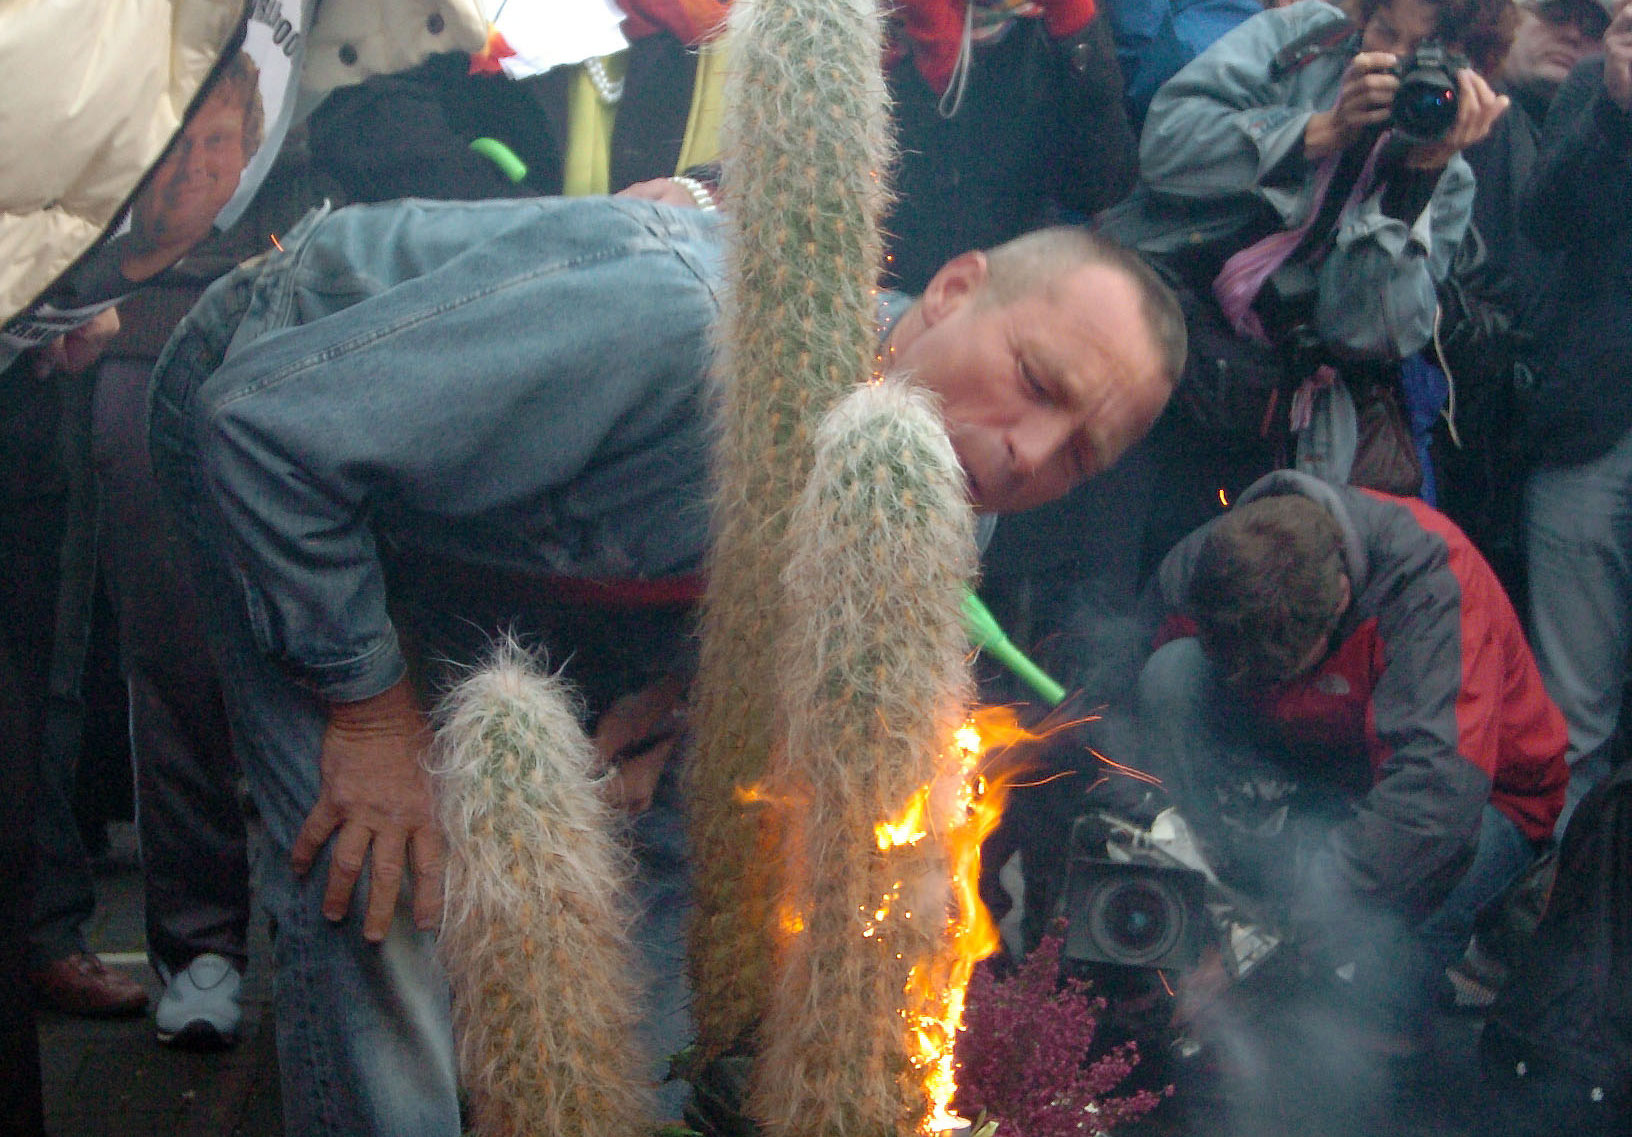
{"x":111,"y":1078}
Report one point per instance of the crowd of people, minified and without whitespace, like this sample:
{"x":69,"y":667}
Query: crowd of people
{"x":1289,"y":342}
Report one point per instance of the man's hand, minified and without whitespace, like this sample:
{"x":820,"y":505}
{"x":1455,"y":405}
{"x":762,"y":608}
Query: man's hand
{"x":1618,"y":57}
{"x":76,"y":350}
{"x":1477,"y":109}
{"x":1365,"y":99}
{"x":375,"y":800}
{"x":664,"y":191}
{"x":635,"y":737}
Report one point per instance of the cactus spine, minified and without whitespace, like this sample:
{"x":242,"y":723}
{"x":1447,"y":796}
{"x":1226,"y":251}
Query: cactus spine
{"x":874,"y":682}
{"x":534,"y":936}
{"x":806,"y":147}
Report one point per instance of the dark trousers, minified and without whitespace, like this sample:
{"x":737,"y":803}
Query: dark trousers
{"x":64,"y":890}
{"x":194,"y":851}
{"x":30,"y":530}
{"x":189,"y":824}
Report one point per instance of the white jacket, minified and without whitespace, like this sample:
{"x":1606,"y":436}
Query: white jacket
{"x":92,"y":91}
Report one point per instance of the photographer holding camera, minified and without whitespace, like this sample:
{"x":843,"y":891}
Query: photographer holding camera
{"x":1236,"y":147}
{"x":1302,"y":180}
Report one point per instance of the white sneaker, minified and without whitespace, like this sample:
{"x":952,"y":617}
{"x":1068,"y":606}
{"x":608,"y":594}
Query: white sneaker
{"x":199,"y":1008}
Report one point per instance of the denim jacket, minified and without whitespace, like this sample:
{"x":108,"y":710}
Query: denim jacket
{"x":519,"y":384}
{"x":1223,"y":145}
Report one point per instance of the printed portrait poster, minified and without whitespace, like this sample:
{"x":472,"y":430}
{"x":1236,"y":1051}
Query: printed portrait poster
{"x":202,"y":184}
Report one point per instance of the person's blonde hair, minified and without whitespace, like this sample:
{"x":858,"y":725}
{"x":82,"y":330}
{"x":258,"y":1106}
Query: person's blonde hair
{"x":240,"y":81}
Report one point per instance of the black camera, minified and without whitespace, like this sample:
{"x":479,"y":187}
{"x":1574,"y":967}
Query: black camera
{"x":1146,"y":898}
{"x":1134,"y":913}
{"x":1426,"y":103}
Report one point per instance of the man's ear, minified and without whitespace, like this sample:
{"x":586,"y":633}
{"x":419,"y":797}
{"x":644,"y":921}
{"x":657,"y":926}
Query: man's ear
{"x":957,"y":282}
{"x":1346,"y":595}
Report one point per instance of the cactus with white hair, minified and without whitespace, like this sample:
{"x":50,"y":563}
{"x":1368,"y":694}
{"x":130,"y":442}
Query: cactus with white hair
{"x":806,"y":147}
{"x":873,"y":681}
{"x":535,"y":931}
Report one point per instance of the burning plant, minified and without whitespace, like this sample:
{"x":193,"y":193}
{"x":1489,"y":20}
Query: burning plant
{"x":805,"y":145}
{"x":873,"y":682}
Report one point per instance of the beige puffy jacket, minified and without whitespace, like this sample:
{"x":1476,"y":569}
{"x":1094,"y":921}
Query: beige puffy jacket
{"x":92,"y":91}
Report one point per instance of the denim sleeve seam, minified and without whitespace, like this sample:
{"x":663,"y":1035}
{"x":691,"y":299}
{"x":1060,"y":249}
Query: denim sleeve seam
{"x":360,"y":676}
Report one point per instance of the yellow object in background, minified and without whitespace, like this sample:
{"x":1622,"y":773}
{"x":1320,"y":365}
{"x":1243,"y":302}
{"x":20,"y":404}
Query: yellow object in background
{"x":590,"y":121}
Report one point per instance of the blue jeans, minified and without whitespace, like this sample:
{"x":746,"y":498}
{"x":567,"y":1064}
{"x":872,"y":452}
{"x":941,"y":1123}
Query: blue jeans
{"x":1262,"y":817}
{"x":391,"y":329}
{"x":1578,"y":544}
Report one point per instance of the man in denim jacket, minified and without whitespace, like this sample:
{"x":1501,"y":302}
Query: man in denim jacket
{"x":517,"y":386}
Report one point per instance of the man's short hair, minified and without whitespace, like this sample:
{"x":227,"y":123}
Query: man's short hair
{"x":240,"y":83}
{"x":1266,"y":587}
{"x":1037,"y":259}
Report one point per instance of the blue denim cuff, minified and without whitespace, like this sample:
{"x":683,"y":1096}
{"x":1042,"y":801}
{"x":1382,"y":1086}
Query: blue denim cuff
{"x":362,"y":676}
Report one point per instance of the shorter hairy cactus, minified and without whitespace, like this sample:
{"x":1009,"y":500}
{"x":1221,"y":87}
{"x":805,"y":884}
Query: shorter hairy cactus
{"x":874,"y":682}
{"x":535,"y":934}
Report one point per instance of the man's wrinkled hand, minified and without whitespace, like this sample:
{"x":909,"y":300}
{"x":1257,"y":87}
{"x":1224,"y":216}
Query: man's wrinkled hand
{"x":375,"y":800}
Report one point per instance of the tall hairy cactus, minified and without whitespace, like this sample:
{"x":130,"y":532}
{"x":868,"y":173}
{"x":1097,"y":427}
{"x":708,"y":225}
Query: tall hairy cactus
{"x":806,"y":149}
{"x":873,"y":682}
{"x":535,"y":935}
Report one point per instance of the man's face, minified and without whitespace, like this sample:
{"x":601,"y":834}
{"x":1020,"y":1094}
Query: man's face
{"x":1551,"y":40}
{"x":1040,"y":392}
{"x":195,"y":179}
{"x":1400,"y":27}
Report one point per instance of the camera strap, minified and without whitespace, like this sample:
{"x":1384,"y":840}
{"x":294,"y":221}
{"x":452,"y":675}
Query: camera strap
{"x":1244,"y":274}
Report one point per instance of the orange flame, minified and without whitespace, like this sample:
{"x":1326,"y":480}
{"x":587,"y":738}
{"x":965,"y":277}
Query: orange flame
{"x":935,"y":993}
{"x":757,"y":794}
{"x":935,"y":990}
{"x":907,"y":829}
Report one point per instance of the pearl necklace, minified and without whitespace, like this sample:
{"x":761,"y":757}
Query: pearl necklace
{"x":606,"y":88}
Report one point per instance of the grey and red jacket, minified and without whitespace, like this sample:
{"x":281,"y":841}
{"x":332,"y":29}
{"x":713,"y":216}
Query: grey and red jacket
{"x":1429,"y":695}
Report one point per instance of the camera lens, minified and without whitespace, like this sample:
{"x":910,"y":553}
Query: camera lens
{"x":1134,"y":920}
{"x":1425,"y":109}
{"x":1425,"y":104}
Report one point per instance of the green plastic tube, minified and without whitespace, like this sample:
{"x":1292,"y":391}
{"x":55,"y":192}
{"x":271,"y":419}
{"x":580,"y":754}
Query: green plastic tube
{"x":988,"y":636}
{"x":501,"y":156}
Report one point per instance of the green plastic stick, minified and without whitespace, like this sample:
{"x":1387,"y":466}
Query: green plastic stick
{"x":986,"y":635}
{"x":501,"y":156}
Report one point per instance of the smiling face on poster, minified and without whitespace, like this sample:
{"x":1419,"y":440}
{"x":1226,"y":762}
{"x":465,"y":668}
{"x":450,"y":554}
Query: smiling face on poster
{"x":199,"y":174}
{"x":203,"y":182}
